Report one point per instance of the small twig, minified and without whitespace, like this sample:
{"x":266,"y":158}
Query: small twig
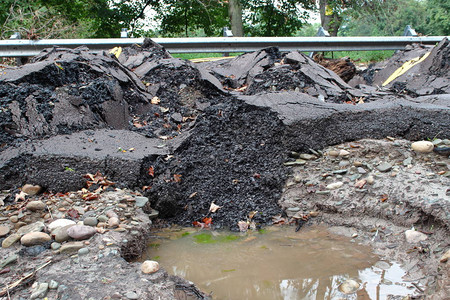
{"x":50,"y":212}
{"x":18,"y":282}
{"x":417,"y":287}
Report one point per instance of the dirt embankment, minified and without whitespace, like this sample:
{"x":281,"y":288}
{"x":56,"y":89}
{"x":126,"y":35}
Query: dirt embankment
{"x":187,"y":135}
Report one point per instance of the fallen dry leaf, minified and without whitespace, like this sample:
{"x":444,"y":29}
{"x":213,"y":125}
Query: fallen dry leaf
{"x":252,"y":214}
{"x":21,"y":196}
{"x":243,"y":226}
{"x":155,"y":100}
{"x":151,"y":171}
{"x":213,"y":208}
{"x":177,"y":178}
{"x":193,"y":195}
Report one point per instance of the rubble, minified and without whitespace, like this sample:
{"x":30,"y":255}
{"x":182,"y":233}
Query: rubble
{"x":184,"y":136}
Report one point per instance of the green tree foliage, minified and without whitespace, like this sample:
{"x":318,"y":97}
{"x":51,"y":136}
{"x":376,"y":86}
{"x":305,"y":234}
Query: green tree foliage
{"x":192,"y":17}
{"x":275,"y":18}
{"x":385,"y":18}
{"x":70,"y":19}
{"x":438,"y":17}
{"x":389,"y":17}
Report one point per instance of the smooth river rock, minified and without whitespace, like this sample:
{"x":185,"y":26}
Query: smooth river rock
{"x":36,"y":226}
{"x":60,"y":223}
{"x":422,"y":146}
{"x":335,"y":185}
{"x":413,"y":236}
{"x":81,"y":232}
{"x":149,"y":266}
{"x":31,"y":189}
{"x":4,"y":230}
{"x":35,"y":238}
{"x":60,"y":234}
{"x":10,"y":240}
{"x":70,"y":247}
{"x":35,"y":206}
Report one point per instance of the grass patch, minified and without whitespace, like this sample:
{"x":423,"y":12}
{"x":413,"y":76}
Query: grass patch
{"x":362,"y":56}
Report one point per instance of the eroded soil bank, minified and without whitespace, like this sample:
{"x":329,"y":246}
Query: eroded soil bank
{"x":180,"y":136}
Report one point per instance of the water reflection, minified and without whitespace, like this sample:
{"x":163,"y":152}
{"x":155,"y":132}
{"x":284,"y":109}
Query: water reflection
{"x":281,"y":264}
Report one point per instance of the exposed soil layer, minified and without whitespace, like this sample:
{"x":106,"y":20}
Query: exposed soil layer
{"x":378,"y":207}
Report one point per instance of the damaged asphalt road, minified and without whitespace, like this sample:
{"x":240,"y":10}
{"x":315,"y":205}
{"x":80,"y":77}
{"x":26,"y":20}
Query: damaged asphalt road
{"x":78,"y":110}
{"x":187,"y":134}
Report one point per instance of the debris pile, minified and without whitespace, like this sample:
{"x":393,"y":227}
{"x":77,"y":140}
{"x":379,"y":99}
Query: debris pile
{"x":186,"y":134}
{"x":417,"y":71}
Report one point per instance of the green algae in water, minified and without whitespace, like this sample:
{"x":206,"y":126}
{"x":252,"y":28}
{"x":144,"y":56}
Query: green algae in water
{"x":230,"y":270}
{"x":208,"y":238}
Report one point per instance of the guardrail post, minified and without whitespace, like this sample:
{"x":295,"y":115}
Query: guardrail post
{"x":124,"y":33}
{"x":409,"y":31}
{"x":320,"y":32}
{"x":19,"y":60}
{"x":227,"y":33}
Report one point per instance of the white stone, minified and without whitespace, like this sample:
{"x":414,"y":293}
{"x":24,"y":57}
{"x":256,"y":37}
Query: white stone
{"x":344,"y":153}
{"x":413,"y":236}
{"x":335,"y":185}
{"x":60,"y":223}
{"x":422,"y":146}
{"x":149,"y":266}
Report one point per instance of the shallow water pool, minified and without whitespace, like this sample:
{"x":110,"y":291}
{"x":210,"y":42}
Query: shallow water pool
{"x":276,"y":263}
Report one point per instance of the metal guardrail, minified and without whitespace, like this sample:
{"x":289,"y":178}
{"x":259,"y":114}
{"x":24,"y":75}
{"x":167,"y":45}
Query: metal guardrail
{"x":24,"y":48}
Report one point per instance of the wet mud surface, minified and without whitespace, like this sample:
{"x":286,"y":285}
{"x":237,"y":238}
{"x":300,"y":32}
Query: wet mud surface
{"x":186,"y":135}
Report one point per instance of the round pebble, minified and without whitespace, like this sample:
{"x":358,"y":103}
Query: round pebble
{"x":149,"y":266}
{"x":35,"y":206}
{"x":35,"y":238}
{"x":90,"y":221}
{"x":83,"y":251}
{"x":422,"y":146}
{"x":55,"y":246}
{"x":131,"y":295}
{"x":4,"y":230}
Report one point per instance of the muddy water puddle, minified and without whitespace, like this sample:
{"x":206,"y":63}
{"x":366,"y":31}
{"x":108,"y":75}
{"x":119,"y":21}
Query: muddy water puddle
{"x":276,"y":263}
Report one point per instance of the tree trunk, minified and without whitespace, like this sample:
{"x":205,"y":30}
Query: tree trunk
{"x":235,"y":14}
{"x":330,"y":21}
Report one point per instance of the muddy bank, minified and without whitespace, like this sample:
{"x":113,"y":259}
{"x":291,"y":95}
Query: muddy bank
{"x":376,"y":193}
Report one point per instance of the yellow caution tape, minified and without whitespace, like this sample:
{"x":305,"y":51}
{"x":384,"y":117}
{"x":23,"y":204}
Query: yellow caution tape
{"x":116,"y":51}
{"x":405,"y":67}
